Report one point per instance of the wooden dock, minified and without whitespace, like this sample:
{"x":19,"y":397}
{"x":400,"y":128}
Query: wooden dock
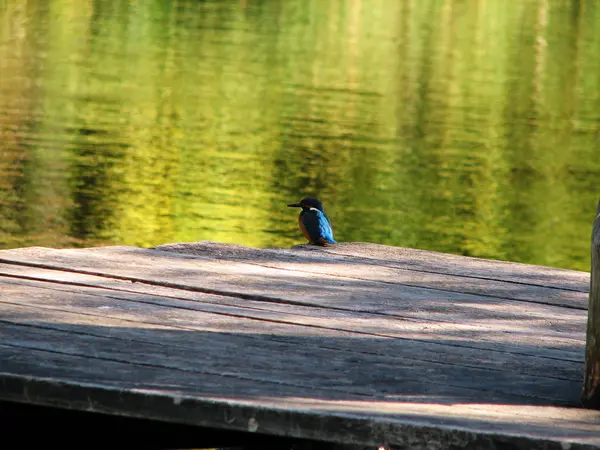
{"x":356,"y":344}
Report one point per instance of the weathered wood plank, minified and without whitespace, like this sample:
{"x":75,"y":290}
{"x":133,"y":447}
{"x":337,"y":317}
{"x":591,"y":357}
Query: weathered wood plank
{"x":389,"y":424}
{"x":257,"y":283}
{"x":408,"y":363}
{"x":153,"y":384}
{"x":265,"y":263}
{"x":299,"y":349}
{"x":591,"y":386}
{"x":436,"y":262}
{"x":560,"y":349}
{"x":125,"y":375}
{"x":572,"y":294}
{"x":358,"y":374}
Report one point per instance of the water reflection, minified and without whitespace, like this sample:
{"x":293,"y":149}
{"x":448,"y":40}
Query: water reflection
{"x":463,"y":127}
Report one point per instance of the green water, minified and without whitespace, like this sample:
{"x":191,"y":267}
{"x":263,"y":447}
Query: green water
{"x":468,"y":127}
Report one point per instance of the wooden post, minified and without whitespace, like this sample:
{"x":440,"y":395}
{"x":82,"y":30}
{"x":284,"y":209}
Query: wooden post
{"x":591,"y":385}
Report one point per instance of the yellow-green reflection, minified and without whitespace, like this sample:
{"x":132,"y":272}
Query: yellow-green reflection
{"x":463,"y":127}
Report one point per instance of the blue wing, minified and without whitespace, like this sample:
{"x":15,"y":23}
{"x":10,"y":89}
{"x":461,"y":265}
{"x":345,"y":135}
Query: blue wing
{"x":318,"y":227}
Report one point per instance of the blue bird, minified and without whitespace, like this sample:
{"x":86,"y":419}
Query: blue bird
{"x":313,"y":222}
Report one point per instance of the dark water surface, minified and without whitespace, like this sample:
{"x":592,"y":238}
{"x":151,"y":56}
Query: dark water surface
{"x":470,"y":127}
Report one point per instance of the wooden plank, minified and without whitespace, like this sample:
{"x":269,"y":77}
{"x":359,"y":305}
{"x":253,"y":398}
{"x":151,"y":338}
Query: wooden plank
{"x":153,"y":381}
{"x":346,"y":360}
{"x":494,"y":337}
{"x":362,"y":375}
{"x":396,"y":257}
{"x":435,"y":333}
{"x":332,"y":261}
{"x":125,"y":376}
{"x":249,"y":282}
{"x":355,"y":346}
{"x":464,"y":265}
{"x":591,"y":386}
{"x":297,"y":351}
{"x":298,"y":267}
{"x":385,"y":423}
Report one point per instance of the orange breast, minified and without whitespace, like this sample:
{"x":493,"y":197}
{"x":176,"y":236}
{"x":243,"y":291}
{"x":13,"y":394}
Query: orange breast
{"x":303,"y":228}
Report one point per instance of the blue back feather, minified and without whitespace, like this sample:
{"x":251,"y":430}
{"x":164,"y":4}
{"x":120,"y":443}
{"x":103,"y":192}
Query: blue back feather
{"x":317,"y":225}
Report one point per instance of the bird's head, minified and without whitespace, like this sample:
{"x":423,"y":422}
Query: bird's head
{"x":307,"y":203}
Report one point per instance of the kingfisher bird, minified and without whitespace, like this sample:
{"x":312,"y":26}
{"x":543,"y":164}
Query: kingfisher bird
{"x":313,"y":222}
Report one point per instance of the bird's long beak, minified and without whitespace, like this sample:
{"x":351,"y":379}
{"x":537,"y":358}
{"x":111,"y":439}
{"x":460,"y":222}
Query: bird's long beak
{"x":295,"y":205}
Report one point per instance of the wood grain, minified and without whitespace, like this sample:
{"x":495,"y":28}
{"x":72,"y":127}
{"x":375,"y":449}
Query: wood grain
{"x":403,"y":338}
{"x":393,"y":347}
